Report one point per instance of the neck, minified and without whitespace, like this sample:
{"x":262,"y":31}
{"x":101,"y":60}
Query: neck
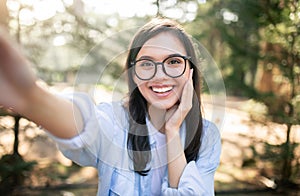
{"x":157,"y":118}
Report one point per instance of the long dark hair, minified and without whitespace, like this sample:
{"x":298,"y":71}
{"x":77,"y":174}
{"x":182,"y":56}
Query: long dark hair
{"x":138,"y":140}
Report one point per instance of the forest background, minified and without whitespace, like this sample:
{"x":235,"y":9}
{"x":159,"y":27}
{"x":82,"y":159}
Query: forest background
{"x":252,"y":93}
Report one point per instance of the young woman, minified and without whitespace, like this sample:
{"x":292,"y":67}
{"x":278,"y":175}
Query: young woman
{"x":156,"y":143}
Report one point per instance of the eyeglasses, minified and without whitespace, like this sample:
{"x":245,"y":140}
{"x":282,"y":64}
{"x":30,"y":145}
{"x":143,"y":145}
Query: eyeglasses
{"x":173,"y":66}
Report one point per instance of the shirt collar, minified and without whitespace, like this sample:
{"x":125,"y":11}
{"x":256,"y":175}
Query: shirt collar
{"x":152,"y":130}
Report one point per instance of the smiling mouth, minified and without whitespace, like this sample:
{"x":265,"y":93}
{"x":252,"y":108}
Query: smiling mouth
{"x":162,"y":89}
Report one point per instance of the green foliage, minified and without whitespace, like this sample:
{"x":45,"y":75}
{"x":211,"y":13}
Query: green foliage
{"x":234,"y":32}
{"x":60,"y":172}
{"x":246,"y":37}
{"x":13,"y":170}
{"x":273,"y":159}
{"x":296,"y":105}
{"x":238,"y":88}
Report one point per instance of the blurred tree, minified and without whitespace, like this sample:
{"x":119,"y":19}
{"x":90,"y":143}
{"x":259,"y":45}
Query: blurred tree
{"x":64,"y":42}
{"x":3,"y":13}
{"x":244,"y":37}
{"x":12,"y":166}
{"x":281,"y":57}
{"x":230,"y":31}
{"x":4,"y":19}
{"x":257,"y":45}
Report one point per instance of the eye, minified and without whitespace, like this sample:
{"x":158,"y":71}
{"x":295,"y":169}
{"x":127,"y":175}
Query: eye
{"x":144,"y":63}
{"x":174,"y":60}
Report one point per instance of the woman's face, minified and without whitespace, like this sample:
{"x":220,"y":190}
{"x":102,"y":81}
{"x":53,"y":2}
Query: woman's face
{"x":162,"y":91}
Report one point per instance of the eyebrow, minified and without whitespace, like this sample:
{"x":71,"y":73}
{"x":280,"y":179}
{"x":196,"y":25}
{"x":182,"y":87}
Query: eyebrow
{"x":152,"y":58}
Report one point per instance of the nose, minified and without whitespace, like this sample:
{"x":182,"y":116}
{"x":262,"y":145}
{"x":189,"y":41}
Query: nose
{"x":160,"y":73}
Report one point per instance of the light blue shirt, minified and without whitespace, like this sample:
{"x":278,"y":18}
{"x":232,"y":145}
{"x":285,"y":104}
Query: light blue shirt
{"x":103,"y":144}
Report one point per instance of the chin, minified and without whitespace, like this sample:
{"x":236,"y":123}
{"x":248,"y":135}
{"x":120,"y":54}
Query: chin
{"x":162,"y":105}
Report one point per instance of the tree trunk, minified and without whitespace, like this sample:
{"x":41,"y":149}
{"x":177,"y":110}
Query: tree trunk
{"x":287,"y":156}
{"x":16,"y":130}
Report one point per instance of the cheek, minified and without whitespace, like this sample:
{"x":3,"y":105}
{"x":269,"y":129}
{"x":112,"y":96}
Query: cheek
{"x":143,"y":88}
{"x":141,"y":85}
{"x":137,"y":81}
{"x":183,"y":80}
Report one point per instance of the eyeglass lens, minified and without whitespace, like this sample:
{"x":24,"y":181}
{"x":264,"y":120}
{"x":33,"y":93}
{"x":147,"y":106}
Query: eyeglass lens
{"x":172,"y":66}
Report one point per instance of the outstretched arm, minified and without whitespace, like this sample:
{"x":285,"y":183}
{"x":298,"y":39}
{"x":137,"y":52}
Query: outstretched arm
{"x":20,"y":92}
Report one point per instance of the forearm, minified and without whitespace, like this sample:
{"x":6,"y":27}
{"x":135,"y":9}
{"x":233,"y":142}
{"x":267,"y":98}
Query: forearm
{"x":176,"y":158}
{"x":20,"y":92}
{"x":57,"y":115}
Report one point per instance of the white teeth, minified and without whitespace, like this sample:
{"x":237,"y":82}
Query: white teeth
{"x":161,"y":89}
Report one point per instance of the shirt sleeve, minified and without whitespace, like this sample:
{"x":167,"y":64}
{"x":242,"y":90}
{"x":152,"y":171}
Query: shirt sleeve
{"x":198,"y":176}
{"x":85,"y":148}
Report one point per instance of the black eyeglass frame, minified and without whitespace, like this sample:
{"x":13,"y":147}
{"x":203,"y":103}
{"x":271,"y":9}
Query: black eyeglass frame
{"x":185,"y":58}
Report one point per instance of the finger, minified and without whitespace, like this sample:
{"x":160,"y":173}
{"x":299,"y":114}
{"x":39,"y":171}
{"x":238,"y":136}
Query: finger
{"x":177,"y":113}
{"x":171,"y":111}
{"x":191,"y":75}
{"x":187,"y":94}
{"x":186,"y":99}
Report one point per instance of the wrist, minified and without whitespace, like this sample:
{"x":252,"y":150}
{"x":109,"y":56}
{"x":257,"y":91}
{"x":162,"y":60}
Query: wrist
{"x":171,"y":132}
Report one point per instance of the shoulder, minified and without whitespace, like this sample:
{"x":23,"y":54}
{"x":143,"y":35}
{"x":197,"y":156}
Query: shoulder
{"x":211,"y":137}
{"x":210,"y":130}
{"x":210,"y":148}
{"x":110,"y":106}
{"x":114,"y":111}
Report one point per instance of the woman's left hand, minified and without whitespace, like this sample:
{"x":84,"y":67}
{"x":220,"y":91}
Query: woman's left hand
{"x":174,"y":118}
{"x":176,"y":114}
